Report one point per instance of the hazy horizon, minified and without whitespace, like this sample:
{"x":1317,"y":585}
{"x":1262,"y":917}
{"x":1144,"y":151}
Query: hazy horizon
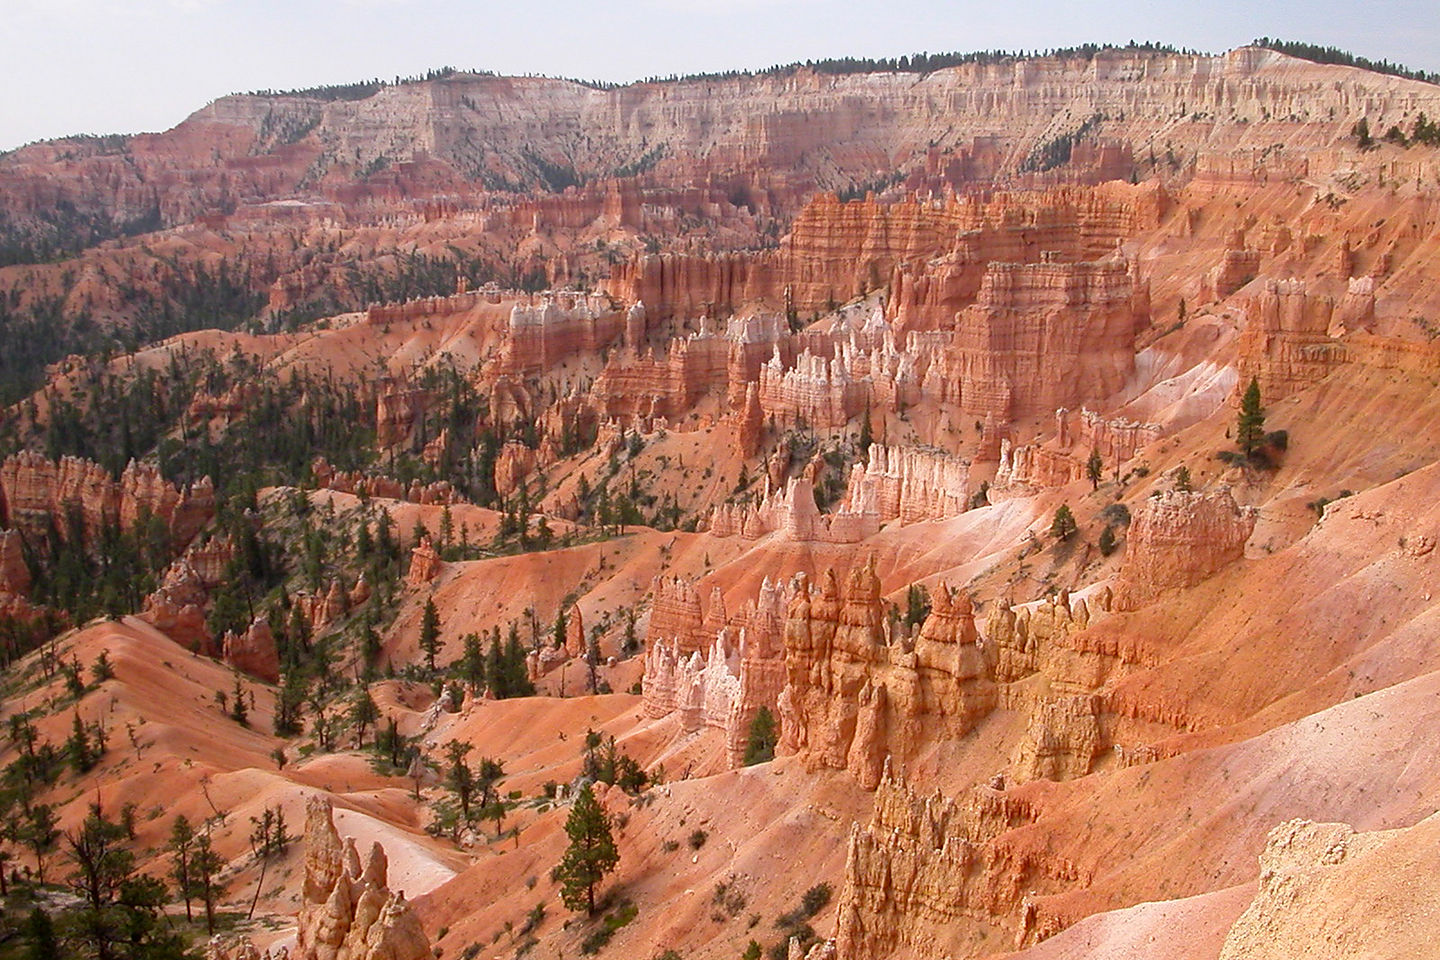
{"x":111,"y":66}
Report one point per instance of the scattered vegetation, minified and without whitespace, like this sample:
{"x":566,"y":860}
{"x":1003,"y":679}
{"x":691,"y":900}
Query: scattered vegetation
{"x":1317,"y":53}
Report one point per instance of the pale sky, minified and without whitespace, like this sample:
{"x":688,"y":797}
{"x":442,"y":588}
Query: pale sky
{"x":125,"y":66}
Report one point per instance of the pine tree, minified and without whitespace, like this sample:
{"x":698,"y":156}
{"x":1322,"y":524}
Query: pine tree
{"x":1361,"y":133}
{"x":760,"y":746}
{"x":459,"y":777}
{"x":1063,"y":526}
{"x":1094,"y":469}
{"x":591,"y":853}
{"x":205,"y":863}
{"x":1250,"y":424}
{"x":238,"y":710}
{"x":182,"y":838}
{"x":363,"y":712}
{"x":561,"y":625}
{"x":430,"y":642}
{"x":516,"y":673}
{"x":40,"y":832}
{"x":40,"y":932}
{"x":77,"y":746}
{"x":917,"y":604}
{"x":289,"y":703}
{"x":472,"y":663}
{"x":495,"y":668}
{"x":102,"y":864}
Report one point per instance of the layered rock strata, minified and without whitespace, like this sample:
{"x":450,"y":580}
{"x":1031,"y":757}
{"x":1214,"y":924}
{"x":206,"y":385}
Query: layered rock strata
{"x":37,"y":494}
{"x":1178,"y":539}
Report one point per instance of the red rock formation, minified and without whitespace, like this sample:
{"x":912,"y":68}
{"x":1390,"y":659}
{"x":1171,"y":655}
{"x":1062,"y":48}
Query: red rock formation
{"x":749,"y":423}
{"x":347,"y":912}
{"x":177,"y":608}
{"x":741,"y":670}
{"x":14,"y":571}
{"x":515,"y":462}
{"x":822,"y":393}
{"x":253,"y":652}
{"x":398,"y":408}
{"x":1289,"y":338}
{"x":791,"y":511}
{"x":1178,"y":539}
{"x":856,"y":693}
{"x":1237,"y":267}
{"x":546,"y":329}
{"x":925,"y":864}
{"x":1042,"y":336}
{"x":425,"y":564}
{"x":36,"y":493}
{"x":676,"y":616}
{"x":574,"y":632}
{"x":327,"y":477}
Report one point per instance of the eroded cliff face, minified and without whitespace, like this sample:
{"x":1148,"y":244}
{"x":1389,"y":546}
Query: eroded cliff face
{"x":347,"y":912}
{"x":858,"y":691}
{"x":928,"y":874}
{"x":762,"y":136}
{"x":37,"y":494}
{"x":1177,"y":539}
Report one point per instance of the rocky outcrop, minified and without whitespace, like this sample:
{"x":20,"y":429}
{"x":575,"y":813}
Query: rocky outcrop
{"x":1178,"y":539}
{"x":253,"y":652}
{"x":327,"y":477}
{"x":724,"y":685}
{"x":177,"y":607}
{"x":1063,"y":458}
{"x":574,"y":632}
{"x":908,"y":484}
{"x":1062,"y":739}
{"x":1020,"y":639}
{"x":14,"y":571}
{"x":347,"y":912}
{"x":425,"y":564}
{"x":1291,"y":330}
{"x":233,"y":946}
{"x":791,"y":511}
{"x":1329,"y":892}
{"x":676,"y":616}
{"x":399,"y":411}
{"x":858,"y":689}
{"x":924,"y":865}
{"x":548,"y":328}
{"x":821,"y":392}
{"x":749,"y":423}
{"x":37,"y":493}
{"x":1044,"y":335}
{"x":514,"y":463}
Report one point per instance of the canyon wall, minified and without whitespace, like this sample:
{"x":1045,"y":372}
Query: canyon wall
{"x":37,"y":493}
